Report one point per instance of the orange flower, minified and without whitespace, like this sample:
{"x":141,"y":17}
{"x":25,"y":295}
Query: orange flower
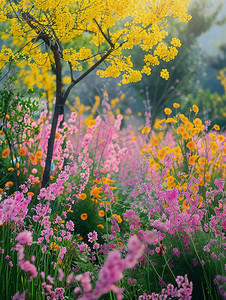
{"x":37,"y":181}
{"x":54,"y":246}
{"x":96,"y":191}
{"x":1,"y":132}
{"x":192,"y":159}
{"x":57,"y":136}
{"x":84,"y":216}
{"x":30,"y":194}
{"x":22,"y":151}
{"x":191,"y":145}
{"x":101,"y":213}
{"x":33,"y":158}
{"x":82,"y":196}
{"x":118,"y":217}
{"x":5,"y":152}
{"x":10,"y":169}
{"x":100,"y":226}
{"x":9,"y":183}
{"x":70,"y":211}
{"x":1,"y":191}
{"x":38,"y":154}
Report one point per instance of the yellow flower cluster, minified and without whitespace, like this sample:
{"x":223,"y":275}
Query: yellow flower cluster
{"x":195,"y":155}
{"x":106,"y":27}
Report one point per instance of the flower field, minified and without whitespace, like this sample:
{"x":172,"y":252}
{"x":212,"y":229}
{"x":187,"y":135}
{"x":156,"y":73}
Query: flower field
{"x":130,"y":213}
{"x":112,"y":150}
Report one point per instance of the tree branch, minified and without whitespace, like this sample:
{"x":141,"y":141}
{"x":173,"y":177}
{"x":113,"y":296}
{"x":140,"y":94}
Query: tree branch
{"x":104,"y":35}
{"x":74,"y":82}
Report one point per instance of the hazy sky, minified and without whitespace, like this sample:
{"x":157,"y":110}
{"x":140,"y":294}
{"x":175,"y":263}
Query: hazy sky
{"x":214,"y":36}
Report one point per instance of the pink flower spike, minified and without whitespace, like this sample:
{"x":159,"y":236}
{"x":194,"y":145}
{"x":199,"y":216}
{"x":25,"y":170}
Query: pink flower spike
{"x":150,"y":237}
{"x":60,"y":274}
{"x":25,"y":238}
{"x":70,"y":278}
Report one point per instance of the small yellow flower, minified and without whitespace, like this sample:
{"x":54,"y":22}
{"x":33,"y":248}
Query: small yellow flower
{"x":216,"y":127}
{"x":167,"y":111}
{"x":176,"y":105}
{"x":164,"y":74}
{"x":146,"y":130}
{"x":220,"y":138}
{"x":195,"y":108}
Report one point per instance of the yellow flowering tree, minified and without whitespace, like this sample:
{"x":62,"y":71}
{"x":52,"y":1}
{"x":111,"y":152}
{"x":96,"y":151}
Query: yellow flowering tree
{"x":41,"y":33}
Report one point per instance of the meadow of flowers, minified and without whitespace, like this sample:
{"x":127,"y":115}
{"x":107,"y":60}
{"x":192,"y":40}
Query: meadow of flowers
{"x":129,"y":213}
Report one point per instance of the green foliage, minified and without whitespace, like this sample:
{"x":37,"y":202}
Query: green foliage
{"x":213,"y":106}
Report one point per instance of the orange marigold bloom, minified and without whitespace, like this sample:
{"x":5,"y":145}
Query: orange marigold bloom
{"x":10,"y":169}
{"x":82,"y":196}
{"x":192,"y":159}
{"x":84,"y":216}
{"x":5,"y":152}
{"x":1,"y":132}
{"x":101,"y":213}
{"x":33,"y":158}
{"x":22,"y":151}
{"x":9,"y":183}
{"x":191,"y":145}
{"x":38,"y":154}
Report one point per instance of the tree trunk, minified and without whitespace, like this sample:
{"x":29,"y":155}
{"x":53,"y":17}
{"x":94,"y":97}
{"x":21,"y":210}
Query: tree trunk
{"x":58,"y":110}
